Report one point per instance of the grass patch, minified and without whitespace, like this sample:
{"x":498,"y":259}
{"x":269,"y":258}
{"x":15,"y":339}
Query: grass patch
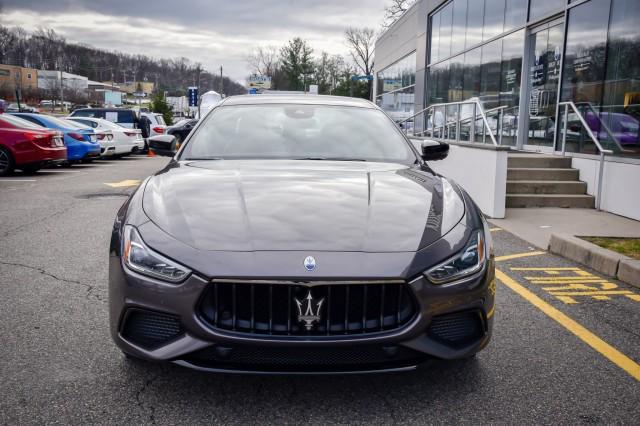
{"x":627,"y":246}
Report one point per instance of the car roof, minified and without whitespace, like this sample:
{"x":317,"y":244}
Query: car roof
{"x":301,"y":99}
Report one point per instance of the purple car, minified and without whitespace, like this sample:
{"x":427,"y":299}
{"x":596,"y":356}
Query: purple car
{"x":624,"y":127}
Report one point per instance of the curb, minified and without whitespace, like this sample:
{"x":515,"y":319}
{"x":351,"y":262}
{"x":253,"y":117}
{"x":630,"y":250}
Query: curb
{"x":605,"y":261}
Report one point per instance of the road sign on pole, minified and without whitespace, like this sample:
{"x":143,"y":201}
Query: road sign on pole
{"x":193,"y":96}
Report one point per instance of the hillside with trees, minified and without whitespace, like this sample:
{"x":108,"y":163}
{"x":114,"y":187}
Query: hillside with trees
{"x":45,"y":49}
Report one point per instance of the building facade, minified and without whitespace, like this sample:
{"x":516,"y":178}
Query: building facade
{"x":12,"y":77}
{"x":528,"y":59}
{"x":526,"y":56}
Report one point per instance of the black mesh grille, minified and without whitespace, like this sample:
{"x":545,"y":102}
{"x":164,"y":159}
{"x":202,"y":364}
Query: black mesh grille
{"x":271,"y":309}
{"x":305,"y":359}
{"x":457,"y":330}
{"x":150,"y":329}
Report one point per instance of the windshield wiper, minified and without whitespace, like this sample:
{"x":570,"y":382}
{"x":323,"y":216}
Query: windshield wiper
{"x":203,"y":158}
{"x":330,"y":159}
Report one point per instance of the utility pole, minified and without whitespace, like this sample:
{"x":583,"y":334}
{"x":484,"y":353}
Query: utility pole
{"x":61,"y":85}
{"x":221,"y":84}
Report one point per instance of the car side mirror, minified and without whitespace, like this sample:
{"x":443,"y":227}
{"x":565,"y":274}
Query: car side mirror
{"x":433,"y":150}
{"x":163,"y":145}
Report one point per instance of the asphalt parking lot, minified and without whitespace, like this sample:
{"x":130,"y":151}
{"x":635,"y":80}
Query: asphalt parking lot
{"x":565,"y":349}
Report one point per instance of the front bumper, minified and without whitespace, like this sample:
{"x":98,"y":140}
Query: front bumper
{"x":198,"y":345}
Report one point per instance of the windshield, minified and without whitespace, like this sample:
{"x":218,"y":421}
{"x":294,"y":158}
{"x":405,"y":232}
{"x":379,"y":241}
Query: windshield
{"x":292,"y":131}
{"x":18,"y":122}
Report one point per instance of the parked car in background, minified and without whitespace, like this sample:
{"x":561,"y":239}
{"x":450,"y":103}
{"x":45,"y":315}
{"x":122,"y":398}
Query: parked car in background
{"x":157,"y":125}
{"x":181,"y":130}
{"x":27,"y":146}
{"x":125,"y":140}
{"x":14,"y":107}
{"x":80,"y":140}
{"x":124,"y":117}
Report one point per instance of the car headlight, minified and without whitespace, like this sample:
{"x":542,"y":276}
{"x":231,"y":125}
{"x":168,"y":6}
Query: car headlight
{"x":467,"y":262}
{"x":140,"y":258}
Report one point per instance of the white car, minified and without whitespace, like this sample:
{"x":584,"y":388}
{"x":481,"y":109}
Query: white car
{"x":107,"y":145}
{"x":125,"y":140}
{"x":157,"y":125}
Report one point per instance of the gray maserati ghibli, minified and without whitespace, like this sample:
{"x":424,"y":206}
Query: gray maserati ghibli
{"x":300,"y":234}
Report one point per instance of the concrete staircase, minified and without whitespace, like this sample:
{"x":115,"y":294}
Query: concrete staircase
{"x":538,"y":180}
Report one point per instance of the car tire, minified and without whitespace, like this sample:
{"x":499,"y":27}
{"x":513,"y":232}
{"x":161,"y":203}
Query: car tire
{"x":87,"y":160}
{"x":7,"y":163}
{"x":67,"y":164}
{"x":30,"y":169}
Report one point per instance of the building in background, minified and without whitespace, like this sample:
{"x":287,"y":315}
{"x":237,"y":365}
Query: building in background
{"x":75,"y":86}
{"x":14,"y":77}
{"x":525,"y":57}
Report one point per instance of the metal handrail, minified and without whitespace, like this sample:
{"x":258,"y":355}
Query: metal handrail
{"x":603,"y":152}
{"x":603,"y":124}
{"x":478,"y":112}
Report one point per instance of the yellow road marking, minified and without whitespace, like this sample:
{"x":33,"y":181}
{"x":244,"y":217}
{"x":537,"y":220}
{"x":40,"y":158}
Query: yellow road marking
{"x":495,"y":229}
{"x":124,"y":183}
{"x":519,"y":255}
{"x":605,"y":349}
{"x":544,"y":269}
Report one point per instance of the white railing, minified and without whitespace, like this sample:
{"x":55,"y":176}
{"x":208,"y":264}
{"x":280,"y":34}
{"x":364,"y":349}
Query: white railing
{"x":438,"y":122}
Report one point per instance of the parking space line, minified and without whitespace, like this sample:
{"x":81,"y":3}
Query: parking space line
{"x":495,"y":229}
{"x":519,"y":255}
{"x":605,"y":349}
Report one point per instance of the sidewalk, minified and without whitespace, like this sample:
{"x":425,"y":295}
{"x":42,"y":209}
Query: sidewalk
{"x":535,"y":225}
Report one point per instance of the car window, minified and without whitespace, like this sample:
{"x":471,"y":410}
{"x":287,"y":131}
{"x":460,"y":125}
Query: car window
{"x":85,"y":122}
{"x":83,"y":113}
{"x":294,"y":131}
{"x":33,"y":120}
{"x":125,"y":117}
{"x":110,"y":125}
{"x":160,"y":120}
{"x":19,"y":122}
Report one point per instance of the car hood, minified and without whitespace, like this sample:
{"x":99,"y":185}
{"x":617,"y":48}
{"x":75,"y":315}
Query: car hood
{"x":250,"y":205}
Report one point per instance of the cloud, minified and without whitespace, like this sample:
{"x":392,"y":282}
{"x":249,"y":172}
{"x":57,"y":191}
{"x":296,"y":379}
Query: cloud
{"x":214,"y":33}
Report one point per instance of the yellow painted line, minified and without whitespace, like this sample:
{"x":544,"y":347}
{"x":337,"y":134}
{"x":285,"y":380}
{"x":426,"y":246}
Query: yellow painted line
{"x":519,"y":255}
{"x":544,"y":269}
{"x":491,"y":311}
{"x":605,"y":349}
{"x":495,"y":229}
{"x":124,"y":183}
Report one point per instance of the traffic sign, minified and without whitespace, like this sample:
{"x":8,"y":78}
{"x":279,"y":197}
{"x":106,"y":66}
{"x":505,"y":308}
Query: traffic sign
{"x":193,"y":96}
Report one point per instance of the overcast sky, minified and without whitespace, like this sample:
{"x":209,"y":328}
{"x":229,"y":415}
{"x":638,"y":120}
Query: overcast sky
{"x":213,"y":32}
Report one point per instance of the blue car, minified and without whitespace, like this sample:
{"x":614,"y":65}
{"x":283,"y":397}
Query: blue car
{"x":80,"y":140}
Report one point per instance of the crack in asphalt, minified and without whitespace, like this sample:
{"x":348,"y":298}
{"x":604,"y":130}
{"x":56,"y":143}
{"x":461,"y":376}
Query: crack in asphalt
{"x":89,"y":288}
{"x":19,"y":228}
{"x":146,"y":385}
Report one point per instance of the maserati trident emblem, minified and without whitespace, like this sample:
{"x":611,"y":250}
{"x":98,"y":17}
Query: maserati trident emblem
{"x":310,"y":263}
{"x":309,"y":316}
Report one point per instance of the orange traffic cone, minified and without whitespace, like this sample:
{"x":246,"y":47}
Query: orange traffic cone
{"x":150,"y":153}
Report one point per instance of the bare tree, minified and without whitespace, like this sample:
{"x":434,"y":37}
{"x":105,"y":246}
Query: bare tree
{"x":264,"y":60}
{"x":395,"y":10}
{"x":361,"y":43}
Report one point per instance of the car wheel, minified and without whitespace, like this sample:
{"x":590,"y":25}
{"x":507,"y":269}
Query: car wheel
{"x":67,"y":164}
{"x":6,"y":162}
{"x":87,"y":160}
{"x":30,"y":169}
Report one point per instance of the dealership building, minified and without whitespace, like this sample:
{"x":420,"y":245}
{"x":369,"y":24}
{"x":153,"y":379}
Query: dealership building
{"x":500,"y":78}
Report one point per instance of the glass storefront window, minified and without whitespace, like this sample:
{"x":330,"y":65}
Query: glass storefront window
{"x":475,"y":18}
{"x":446,"y":20}
{"x":396,"y":88}
{"x":435,"y":38}
{"x":493,"y":18}
{"x":490,"y":74}
{"x":459,"y":25}
{"x":540,"y":8}
{"x":515,"y":14}
{"x":620,"y":111}
{"x":584,"y":71}
{"x":511,"y":71}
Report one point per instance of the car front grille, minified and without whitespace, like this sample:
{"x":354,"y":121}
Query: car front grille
{"x":335,"y":308}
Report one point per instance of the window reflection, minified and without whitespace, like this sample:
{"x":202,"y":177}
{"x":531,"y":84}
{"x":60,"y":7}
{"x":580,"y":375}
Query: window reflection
{"x":396,"y":88}
{"x":493,"y":18}
{"x":540,"y":8}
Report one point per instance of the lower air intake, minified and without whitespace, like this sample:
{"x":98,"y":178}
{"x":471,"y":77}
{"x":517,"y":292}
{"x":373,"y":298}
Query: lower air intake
{"x":457,"y":330}
{"x":149,"y":329}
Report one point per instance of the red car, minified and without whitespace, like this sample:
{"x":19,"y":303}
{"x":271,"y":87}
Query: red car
{"x":28,"y":147}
